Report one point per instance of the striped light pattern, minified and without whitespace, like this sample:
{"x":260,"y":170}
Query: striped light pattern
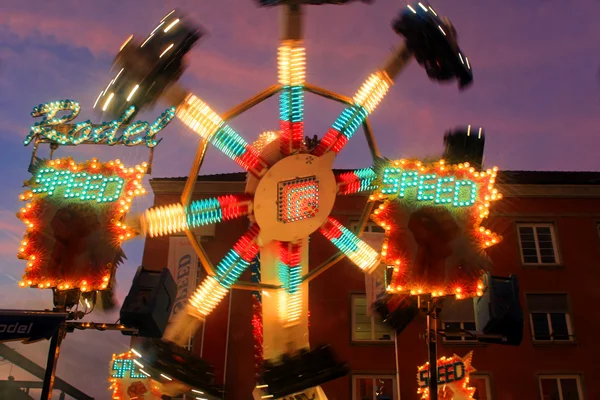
{"x":290,"y":275}
{"x":214,"y":288}
{"x":365,"y":101}
{"x":357,"y":181}
{"x":174,"y":218}
{"x":257,"y":318}
{"x":292,"y":75}
{"x":360,"y":253}
{"x":198,"y":116}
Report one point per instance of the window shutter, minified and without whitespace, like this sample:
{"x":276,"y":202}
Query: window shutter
{"x":548,"y":303}
{"x":458,"y":310}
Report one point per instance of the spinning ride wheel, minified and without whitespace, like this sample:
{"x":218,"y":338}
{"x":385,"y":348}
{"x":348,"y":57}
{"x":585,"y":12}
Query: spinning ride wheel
{"x":291,"y":187}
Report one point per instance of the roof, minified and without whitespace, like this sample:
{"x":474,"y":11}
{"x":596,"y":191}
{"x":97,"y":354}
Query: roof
{"x":509,"y":177}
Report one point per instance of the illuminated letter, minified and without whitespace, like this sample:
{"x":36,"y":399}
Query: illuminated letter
{"x":122,"y":366}
{"x":60,"y":178}
{"x":48,"y":111}
{"x":441,"y":190}
{"x":135,"y":129}
{"x":389,"y":181}
{"x":459,"y":373}
{"x":90,"y":192}
{"x":404,"y":182}
{"x":158,"y":125}
{"x":74,"y":185}
{"x":457,"y":193}
{"x":113,"y":186}
{"x":80,"y":132}
{"x":110,"y":137}
{"x":423,"y":187}
{"x":44,"y":177}
{"x":424,"y":378}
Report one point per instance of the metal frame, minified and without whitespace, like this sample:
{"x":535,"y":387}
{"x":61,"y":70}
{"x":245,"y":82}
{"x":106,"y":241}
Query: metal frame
{"x":186,"y":195}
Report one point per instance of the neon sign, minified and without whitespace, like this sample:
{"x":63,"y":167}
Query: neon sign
{"x":122,"y":367}
{"x":73,"y":215}
{"x":452,"y":378}
{"x":57,"y":129}
{"x":427,"y":187}
{"x":432,"y":216}
{"x":128,"y":379}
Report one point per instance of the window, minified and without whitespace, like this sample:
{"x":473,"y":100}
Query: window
{"x":368,"y":387}
{"x":367,"y":327}
{"x":560,"y":387}
{"x":549,"y":317}
{"x":538,"y":244}
{"x":458,"y":315}
{"x":450,"y":327}
{"x":481,"y":383}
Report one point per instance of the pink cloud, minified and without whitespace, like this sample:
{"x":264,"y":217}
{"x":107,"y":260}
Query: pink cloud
{"x":95,"y":36}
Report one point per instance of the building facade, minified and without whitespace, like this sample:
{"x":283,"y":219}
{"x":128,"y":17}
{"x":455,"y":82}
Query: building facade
{"x":550,"y":223}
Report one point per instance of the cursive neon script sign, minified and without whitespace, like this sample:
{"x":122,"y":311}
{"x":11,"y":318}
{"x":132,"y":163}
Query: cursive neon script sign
{"x":59,"y":130}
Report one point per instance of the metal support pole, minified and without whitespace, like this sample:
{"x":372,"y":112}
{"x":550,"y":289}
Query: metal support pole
{"x":227,"y":342}
{"x":53,"y":353}
{"x":432,"y":347}
{"x":397,"y":364}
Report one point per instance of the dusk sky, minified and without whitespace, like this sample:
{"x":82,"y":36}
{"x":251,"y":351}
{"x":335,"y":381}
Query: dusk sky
{"x":536,"y":92}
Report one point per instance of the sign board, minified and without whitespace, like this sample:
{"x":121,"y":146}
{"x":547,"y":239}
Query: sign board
{"x":129,"y":381}
{"x":58,"y":129}
{"x":375,"y":285}
{"x":74,"y":222}
{"x":29,"y":326}
{"x":432,"y":215}
{"x":183,"y":265}
{"x":453,"y":378}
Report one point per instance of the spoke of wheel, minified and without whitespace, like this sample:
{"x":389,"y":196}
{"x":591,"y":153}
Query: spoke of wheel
{"x":174,"y":218}
{"x":214,"y":288}
{"x":365,"y":101}
{"x":359,"y":252}
{"x":292,"y":73}
{"x":290,"y":276}
{"x":291,"y":99}
{"x":357,"y":181}
{"x":199,"y":117}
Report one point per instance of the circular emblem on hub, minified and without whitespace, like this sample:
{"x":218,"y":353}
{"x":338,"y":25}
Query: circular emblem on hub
{"x":303,"y":188}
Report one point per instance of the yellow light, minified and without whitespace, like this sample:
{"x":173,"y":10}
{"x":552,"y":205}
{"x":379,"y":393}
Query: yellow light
{"x":94,"y":106}
{"x":167,"y":49}
{"x":126,"y":42}
{"x":107,"y":102}
{"x":373,"y":90}
{"x":165,"y":220}
{"x":291,"y":60}
{"x":263,"y":140}
{"x":199,"y":117}
{"x":135,"y":88}
{"x":207,"y":296}
{"x":172,"y":24}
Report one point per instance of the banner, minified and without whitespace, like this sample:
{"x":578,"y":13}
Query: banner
{"x":29,"y":326}
{"x":183,"y":265}
{"x":375,"y":286}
